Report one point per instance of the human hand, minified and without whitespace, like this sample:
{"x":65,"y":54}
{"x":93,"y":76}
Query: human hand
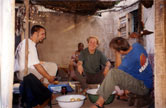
{"x":51,"y":79}
{"x":80,"y":69}
{"x":46,"y":85}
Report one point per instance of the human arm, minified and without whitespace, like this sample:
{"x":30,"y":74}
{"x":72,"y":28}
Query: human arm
{"x":81,"y":58}
{"x":105,"y":62}
{"x":80,"y":67}
{"x":107,"y":67}
{"x":118,"y":59}
{"x":72,"y":63}
{"x":76,"y":56}
{"x":44,"y":73}
{"x":33,"y":61}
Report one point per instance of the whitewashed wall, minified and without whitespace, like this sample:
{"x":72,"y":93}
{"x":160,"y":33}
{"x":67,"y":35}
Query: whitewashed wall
{"x":65,"y":31}
{"x":0,"y":47}
{"x":6,"y":52}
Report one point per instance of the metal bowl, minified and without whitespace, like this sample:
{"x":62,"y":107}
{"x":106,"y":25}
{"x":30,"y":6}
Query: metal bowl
{"x":93,"y":96}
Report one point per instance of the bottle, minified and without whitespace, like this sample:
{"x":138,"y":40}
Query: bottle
{"x":64,"y":90}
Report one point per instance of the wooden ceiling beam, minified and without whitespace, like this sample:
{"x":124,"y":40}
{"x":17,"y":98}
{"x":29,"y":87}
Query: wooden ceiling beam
{"x":78,"y":7}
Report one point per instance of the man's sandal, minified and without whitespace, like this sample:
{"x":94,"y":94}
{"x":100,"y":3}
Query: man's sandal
{"x":99,"y":106}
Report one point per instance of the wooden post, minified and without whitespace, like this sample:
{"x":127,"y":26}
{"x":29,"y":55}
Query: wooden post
{"x":7,"y":13}
{"x":0,"y":48}
{"x":160,"y":54}
{"x":26,"y":2}
{"x":140,"y":39}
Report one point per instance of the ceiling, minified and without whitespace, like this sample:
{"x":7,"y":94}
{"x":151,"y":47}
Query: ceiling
{"x":82,"y":7}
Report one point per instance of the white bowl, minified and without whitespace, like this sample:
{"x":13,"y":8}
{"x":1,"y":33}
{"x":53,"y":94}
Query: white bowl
{"x":65,"y":101}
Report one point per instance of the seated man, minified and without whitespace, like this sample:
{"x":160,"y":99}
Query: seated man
{"x":38,"y":70}
{"x":74,"y":60}
{"x":134,"y":72}
{"x":90,"y":64}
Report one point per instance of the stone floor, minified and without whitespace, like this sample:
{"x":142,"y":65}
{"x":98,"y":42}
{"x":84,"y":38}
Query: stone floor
{"x":116,"y":104}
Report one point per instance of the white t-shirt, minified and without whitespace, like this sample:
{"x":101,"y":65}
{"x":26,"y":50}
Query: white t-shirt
{"x":50,"y":67}
{"x":20,"y":56}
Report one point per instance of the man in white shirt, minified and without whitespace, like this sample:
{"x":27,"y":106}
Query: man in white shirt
{"x":39,"y":69}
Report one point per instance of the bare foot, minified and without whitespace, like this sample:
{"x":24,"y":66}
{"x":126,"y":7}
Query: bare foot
{"x":93,"y":106}
{"x":96,"y":106}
